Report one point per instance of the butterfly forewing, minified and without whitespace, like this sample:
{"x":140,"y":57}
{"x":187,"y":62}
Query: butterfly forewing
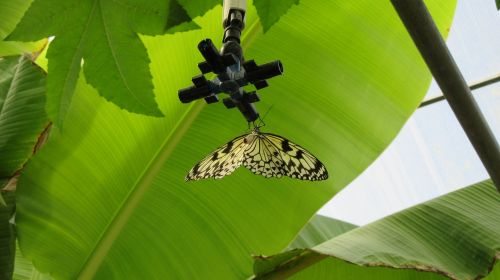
{"x":297,"y":161}
{"x":265,"y":154}
{"x":223,"y":161}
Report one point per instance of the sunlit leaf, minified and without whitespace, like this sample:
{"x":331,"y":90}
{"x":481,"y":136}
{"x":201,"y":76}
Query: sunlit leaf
{"x":11,"y":12}
{"x":104,"y":34}
{"x":109,"y":190}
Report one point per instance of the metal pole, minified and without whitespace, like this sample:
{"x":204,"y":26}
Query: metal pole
{"x":432,"y":47}
{"x":477,"y":85}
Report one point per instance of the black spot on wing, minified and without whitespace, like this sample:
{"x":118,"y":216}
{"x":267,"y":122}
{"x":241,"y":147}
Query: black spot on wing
{"x":267,"y":154}
{"x":221,"y":162}
{"x":215,"y":156}
{"x":299,"y":154}
{"x":228,"y":148}
{"x":195,"y":168}
{"x":285,"y":146}
{"x":293,"y":165}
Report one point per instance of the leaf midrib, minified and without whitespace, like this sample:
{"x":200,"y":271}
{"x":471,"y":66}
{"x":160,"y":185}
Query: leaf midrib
{"x":115,"y":58}
{"x":76,"y":62}
{"x":123,"y":213}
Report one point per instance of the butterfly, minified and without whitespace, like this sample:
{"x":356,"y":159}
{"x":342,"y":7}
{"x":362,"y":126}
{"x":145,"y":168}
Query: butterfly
{"x":265,"y":154}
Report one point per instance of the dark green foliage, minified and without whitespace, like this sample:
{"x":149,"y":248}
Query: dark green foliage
{"x":199,"y":7}
{"x":105,"y":35}
{"x":22,"y":115}
{"x":7,"y":236}
{"x":271,"y":11}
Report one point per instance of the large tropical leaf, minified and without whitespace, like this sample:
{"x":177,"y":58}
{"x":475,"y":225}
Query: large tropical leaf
{"x":11,"y":12}
{"x":109,"y":190}
{"x":456,"y":235}
{"x":22,"y":115}
{"x":320,"y":229}
{"x":22,"y":119}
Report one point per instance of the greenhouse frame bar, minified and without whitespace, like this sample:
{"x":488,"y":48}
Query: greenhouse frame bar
{"x":434,"y":51}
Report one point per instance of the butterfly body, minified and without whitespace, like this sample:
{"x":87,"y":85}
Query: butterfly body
{"x":265,"y":154}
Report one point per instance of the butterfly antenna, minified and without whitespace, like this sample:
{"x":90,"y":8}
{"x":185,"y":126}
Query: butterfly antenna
{"x":261,"y":120}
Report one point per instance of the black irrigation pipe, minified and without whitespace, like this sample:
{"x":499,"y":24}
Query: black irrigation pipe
{"x":477,"y":85}
{"x":432,"y":47}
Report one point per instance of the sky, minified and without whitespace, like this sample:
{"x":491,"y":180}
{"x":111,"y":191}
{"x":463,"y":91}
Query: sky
{"x":432,"y":156}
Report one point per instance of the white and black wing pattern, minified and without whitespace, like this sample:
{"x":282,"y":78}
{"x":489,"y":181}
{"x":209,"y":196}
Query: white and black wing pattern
{"x":279,"y":156}
{"x":263,"y":154}
{"x":223,"y":161}
{"x":262,"y":158}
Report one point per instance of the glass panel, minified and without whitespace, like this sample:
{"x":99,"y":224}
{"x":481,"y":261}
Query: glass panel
{"x":432,"y":156}
{"x":474,"y":41}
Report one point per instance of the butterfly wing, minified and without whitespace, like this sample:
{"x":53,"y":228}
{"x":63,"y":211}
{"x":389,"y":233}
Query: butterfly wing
{"x":297,"y":162}
{"x":221,"y":162}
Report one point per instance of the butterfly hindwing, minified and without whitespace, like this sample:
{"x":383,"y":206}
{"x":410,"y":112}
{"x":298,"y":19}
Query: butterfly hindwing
{"x":223,"y":161}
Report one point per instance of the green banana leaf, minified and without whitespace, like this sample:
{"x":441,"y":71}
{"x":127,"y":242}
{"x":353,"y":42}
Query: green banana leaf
{"x":22,"y":119}
{"x":456,"y":235}
{"x":22,"y":115}
{"x":11,"y":12}
{"x":106,"y":197}
{"x":320,"y":229}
